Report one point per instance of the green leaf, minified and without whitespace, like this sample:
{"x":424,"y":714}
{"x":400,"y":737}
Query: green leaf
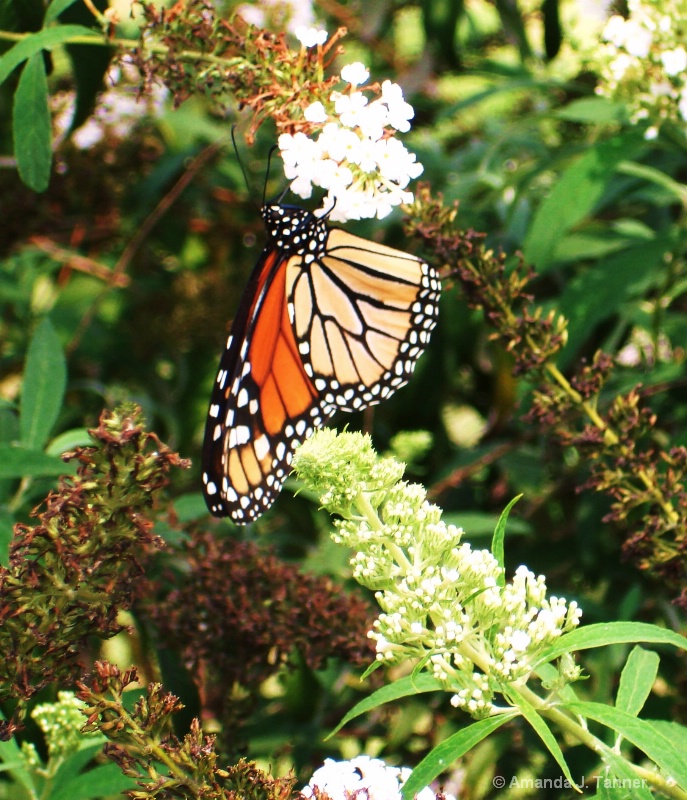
{"x":106,"y":780}
{"x":636,"y":680}
{"x":443,"y":755}
{"x":89,"y":64}
{"x":659,"y":748}
{"x":22,"y":462}
{"x":75,"y":437}
{"x":6,"y":532}
{"x":542,"y":730}
{"x":497,"y":543}
{"x":671,"y":730}
{"x":56,"y":8}
{"x":405,"y":687}
{"x":45,"y":379}
{"x":10,"y":756}
{"x":621,"y":781}
{"x":593,"y":110}
{"x":31,"y":127}
{"x":599,"y":292}
{"x":45,"y":39}
{"x":605,"y":633}
{"x":653,"y":175}
{"x":575,"y":195}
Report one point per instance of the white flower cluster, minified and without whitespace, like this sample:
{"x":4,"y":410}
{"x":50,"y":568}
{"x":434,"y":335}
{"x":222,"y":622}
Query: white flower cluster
{"x":362,"y":777}
{"x":643,"y":61}
{"x":355,"y":158}
{"x":443,"y":603}
{"x":117,"y":111}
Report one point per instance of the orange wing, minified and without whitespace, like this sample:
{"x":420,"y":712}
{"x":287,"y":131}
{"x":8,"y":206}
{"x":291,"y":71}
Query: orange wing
{"x":262,"y":404}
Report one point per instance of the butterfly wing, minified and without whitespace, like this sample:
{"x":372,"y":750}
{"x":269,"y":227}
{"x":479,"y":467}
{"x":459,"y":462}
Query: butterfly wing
{"x":262,"y":403}
{"x":362,"y":315}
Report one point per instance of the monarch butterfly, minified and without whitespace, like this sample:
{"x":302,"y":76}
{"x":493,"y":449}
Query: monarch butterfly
{"x":327,"y":322}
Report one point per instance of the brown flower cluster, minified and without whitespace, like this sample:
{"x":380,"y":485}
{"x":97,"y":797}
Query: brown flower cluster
{"x":192,"y":51}
{"x":72,"y":572}
{"x":142,"y":744}
{"x":645,"y":482}
{"x":237,"y":613}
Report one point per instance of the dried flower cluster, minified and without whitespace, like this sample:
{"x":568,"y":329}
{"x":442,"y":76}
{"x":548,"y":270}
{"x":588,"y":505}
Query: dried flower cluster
{"x":237,"y":613}
{"x":142,"y":744}
{"x":647,"y":485}
{"x":444,"y":604}
{"x":71,"y":572}
{"x":191,"y":50}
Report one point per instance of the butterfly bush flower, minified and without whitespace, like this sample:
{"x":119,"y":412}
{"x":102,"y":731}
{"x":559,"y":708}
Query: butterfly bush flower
{"x":444,"y":603}
{"x":362,"y":777}
{"x":643,"y":61}
{"x":118,"y":109}
{"x":354,"y":157}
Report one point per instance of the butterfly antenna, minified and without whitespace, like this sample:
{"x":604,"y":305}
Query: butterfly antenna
{"x":267,"y":177}
{"x":239,"y":159}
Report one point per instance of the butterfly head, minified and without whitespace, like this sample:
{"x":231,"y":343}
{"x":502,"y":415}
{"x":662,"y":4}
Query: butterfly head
{"x":294,"y":229}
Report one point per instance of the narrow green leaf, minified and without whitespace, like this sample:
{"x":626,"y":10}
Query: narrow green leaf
{"x":636,"y":680}
{"x":542,"y":730}
{"x":75,"y":437}
{"x":605,"y":633}
{"x":22,"y":462}
{"x":6,"y":530}
{"x":621,"y":781}
{"x":497,"y":543}
{"x":575,"y":195}
{"x":599,"y":292}
{"x":45,"y":379}
{"x":671,"y":730}
{"x":443,"y":755}
{"x":10,"y":754}
{"x":653,"y":175}
{"x":659,"y":748}
{"x":593,"y":110}
{"x":405,"y":687}
{"x":106,"y":780}
{"x":31,"y":127}
{"x":45,"y":39}
{"x":56,"y":8}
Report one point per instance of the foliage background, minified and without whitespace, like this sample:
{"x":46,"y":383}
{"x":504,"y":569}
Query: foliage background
{"x":507,"y":124}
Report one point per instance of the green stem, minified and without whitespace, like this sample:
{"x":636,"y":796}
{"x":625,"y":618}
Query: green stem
{"x":132,"y":44}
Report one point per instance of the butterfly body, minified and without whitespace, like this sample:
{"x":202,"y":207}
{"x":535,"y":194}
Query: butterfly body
{"x":327,"y":322}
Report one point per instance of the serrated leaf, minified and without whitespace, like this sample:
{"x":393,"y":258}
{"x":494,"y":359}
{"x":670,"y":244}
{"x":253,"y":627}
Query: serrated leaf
{"x":449,"y":750}
{"x":31,"y":127}
{"x":659,"y":748}
{"x":45,"y":39}
{"x":22,"y":462}
{"x":637,"y":679}
{"x":45,"y":379}
{"x":575,"y":195}
{"x":620,"y":778}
